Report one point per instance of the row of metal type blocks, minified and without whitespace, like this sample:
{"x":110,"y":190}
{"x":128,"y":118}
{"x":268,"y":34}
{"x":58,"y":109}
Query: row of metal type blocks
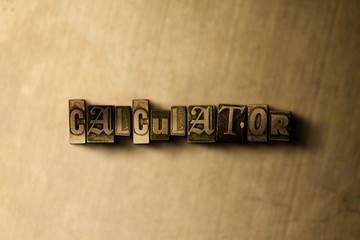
{"x":234,"y":123}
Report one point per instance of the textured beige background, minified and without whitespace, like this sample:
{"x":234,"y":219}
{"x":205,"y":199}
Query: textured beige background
{"x":300,"y":55}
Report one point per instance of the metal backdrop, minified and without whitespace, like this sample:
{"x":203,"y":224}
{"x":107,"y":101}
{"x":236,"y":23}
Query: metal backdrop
{"x":297,"y":55}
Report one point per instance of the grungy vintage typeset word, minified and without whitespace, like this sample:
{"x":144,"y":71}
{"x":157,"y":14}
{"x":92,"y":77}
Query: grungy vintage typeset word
{"x":200,"y":123}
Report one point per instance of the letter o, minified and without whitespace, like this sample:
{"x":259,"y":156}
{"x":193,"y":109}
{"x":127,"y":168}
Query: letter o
{"x":252,"y":121}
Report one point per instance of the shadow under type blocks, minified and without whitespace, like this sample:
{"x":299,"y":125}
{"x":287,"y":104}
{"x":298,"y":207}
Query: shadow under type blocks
{"x":201,"y":124}
{"x":77,"y":118}
{"x":100,"y":124}
{"x":141,"y":121}
{"x":231,"y":123}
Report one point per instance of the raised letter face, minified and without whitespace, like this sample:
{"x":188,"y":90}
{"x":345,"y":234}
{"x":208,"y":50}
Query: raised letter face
{"x":201,"y":124}
{"x":159,"y":125}
{"x":141,"y":121}
{"x":178,"y":121}
{"x":122,"y":120}
{"x":77,"y":121}
{"x":231,"y":123}
{"x":100,"y":124}
{"x":280,"y":126}
{"x":257,"y":123}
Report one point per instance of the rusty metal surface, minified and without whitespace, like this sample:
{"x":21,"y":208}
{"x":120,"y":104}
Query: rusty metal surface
{"x":299,"y":55}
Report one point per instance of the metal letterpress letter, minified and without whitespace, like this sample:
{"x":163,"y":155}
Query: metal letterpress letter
{"x":231,"y":123}
{"x":178,"y":121}
{"x":280,"y":126}
{"x":100,"y":124}
{"x":122,"y":120}
{"x":159,"y":125}
{"x":257,"y":123}
{"x":141,"y":121}
{"x":77,"y":121}
{"x":201,"y":124}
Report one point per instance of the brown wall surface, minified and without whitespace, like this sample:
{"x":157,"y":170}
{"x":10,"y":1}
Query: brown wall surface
{"x":301,"y":56}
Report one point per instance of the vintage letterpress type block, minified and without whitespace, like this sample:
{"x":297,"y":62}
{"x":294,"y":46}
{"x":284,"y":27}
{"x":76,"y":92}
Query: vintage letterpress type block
{"x":122,"y":121}
{"x":77,"y":121}
{"x":280,"y":126}
{"x":231,"y":123}
{"x":160,"y":125}
{"x":100,"y":124}
{"x":201,"y":124}
{"x":178,"y":121}
{"x":257,"y":123}
{"x":141,"y":121}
